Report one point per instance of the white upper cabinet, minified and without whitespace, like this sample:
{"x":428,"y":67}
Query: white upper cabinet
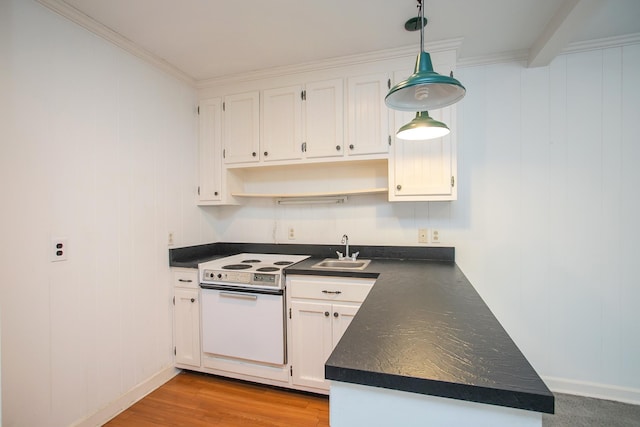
{"x":302,"y":121}
{"x":242,"y":127}
{"x":321,"y":131}
{"x":281,"y":124}
{"x":324,"y":118}
{"x":210,"y":151}
{"x":368,"y":116}
{"x":424,"y":170}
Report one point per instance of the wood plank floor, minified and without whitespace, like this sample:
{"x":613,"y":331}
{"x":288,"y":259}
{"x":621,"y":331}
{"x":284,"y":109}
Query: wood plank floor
{"x":194,"y":399}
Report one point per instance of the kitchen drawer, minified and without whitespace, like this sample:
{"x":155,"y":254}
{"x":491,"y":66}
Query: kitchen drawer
{"x":185,"y":277}
{"x":329,"y":289}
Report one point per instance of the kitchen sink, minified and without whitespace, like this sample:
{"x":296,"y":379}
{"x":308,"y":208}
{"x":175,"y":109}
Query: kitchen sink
{"x":342,"y":264}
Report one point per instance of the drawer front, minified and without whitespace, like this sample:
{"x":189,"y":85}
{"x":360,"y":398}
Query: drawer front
{"x":342,"y":289}
{"x":185,"y":277}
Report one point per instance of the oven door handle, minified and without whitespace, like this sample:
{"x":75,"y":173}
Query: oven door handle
{"x":238,"y":296}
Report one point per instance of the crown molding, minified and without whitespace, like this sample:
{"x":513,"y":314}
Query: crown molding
{"x":85,"y":21}
{"x":325,"y":64}
{"x":497,"y":58}
{"x":575,"y":47}
{"x":603,"y":43}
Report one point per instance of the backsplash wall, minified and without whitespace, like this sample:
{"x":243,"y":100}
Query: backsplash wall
{"x":545,"y":222}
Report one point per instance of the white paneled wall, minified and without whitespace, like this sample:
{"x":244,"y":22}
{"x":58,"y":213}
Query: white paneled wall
{"x":99,"y":148}
{"x":546,"y":222}
{"x":5,"y":12}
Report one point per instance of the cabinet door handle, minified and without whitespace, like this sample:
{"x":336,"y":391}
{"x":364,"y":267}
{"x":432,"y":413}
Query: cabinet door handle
{"x":185,"y":280}
{"x":351,"y":146}
{"x":193,"y":300}
{"x":326,"y":314}
{"x":215,"y":193}
{"x":335,"y":314}
{"x":337,"y":148}
{"x":254,"y":154}
{"x":332,"y":292}
{"x":399,"y":187}
{"x":266,"y":153}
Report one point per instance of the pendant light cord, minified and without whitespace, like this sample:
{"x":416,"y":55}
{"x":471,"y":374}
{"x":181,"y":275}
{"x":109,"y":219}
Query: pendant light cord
{"x":421,"y":15}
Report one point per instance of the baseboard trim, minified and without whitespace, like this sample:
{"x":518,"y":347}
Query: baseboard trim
{"x":129,"y":398}
{"x":597,"y":390}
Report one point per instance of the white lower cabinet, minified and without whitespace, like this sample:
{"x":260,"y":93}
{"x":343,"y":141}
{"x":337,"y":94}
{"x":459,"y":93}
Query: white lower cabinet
{"x":186,"y":318}
{"x":321,"y":309}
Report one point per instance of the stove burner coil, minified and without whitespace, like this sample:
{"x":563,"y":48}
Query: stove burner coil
{"x":268,"y":269}
{"x":251,"y":261}
{"x":283,"y":263}
{"x":236,"y":267}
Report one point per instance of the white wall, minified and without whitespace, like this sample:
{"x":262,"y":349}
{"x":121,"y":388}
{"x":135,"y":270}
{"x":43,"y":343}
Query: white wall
{"x":546,"y":218}
{"x":99,"y":148}
{"x":5,"y":12}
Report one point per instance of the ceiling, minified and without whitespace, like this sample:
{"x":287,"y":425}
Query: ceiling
{"x":204,"y":39}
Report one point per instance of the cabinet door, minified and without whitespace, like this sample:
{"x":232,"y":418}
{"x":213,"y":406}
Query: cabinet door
{"x":186,"y":318}
{"x":311,"y":342}
{"x":368,"y":116}
{"x":281,"y":124}
{"x":342,"y":316}
{"x":241,"y":128}
{"x":423,"y":170}
{"x":210,"y":150}
{"x":324,"y":118}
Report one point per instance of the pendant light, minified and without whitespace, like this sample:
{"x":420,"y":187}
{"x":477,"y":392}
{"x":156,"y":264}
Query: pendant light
{"x":425,"y":89}
{"x":422,"y":127}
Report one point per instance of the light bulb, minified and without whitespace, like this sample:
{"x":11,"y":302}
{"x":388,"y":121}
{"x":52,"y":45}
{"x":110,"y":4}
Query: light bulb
{"x":422,"y":92}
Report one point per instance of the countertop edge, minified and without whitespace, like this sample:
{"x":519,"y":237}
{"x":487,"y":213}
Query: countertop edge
{"x":517,"y":399}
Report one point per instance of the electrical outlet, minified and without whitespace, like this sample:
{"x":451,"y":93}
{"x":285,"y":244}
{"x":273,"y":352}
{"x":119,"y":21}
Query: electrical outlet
{"x":59,"y":249}
{"x":435,"y":236}
{"x":423,"y":235}
{"x":170,"y":239}
{"x":292,"y":233}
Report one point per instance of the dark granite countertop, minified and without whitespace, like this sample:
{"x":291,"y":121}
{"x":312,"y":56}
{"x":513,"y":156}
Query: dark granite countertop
{"x":423,"y":329}
{"x":191,"y":256}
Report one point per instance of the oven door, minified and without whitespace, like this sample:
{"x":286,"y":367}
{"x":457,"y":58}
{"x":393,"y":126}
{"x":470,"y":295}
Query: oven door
{"x":243,"y":325}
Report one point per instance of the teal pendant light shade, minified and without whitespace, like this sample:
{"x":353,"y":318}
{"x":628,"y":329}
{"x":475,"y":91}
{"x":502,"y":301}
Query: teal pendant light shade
{"x":422,"y":127}
{"x":425,"y":89}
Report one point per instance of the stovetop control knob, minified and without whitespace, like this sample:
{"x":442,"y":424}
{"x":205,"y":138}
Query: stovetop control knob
{"x":219,"y":275}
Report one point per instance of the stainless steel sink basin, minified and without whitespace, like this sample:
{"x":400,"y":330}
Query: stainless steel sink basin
{"x":342,"y":264}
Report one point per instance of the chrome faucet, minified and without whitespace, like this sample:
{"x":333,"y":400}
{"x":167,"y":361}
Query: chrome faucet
{"x":345,"y":242}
